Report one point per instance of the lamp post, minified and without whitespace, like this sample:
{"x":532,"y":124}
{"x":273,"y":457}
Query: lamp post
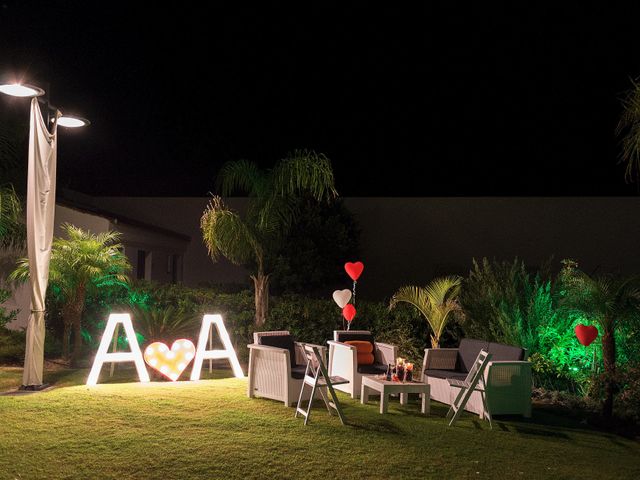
{"x":41,"y":188}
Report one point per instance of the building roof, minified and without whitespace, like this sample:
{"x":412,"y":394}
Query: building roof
{"x":71,"y":200}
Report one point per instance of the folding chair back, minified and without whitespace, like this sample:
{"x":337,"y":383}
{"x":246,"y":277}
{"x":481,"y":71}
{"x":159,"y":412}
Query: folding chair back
{"x":316,"y":377}
{"x":467,"y":387}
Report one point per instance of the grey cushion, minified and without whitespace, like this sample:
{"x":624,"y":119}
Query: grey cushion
{"x":298,"y":371}
{"x":281,"y":341}
{"x":374,"y":369}
{"x":468,"y":352}
{"x":445,"y":374}
{"x":346,"y":336}
{"x":500,"y":352}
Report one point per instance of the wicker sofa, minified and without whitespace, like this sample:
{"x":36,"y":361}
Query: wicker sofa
{"x":277,"y":365}
{"x":343,"y":359}
{"x":507,"y":378}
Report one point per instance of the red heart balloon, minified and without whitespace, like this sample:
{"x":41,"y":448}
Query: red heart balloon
{"x":586,"y":334}
{"x":348,"y":312}
{"x":354,"y":270}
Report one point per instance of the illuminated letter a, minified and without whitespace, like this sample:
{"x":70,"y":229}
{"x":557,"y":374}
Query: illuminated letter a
{"x":103,"y":356}
{"x":202,"y":353}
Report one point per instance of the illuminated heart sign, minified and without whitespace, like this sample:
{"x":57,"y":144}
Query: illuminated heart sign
{"x":170,"y":362}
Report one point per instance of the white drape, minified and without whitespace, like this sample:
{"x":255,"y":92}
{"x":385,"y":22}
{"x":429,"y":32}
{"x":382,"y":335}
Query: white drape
{"x":41,"y":198}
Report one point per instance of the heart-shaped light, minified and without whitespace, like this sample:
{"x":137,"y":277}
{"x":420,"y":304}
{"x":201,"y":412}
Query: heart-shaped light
{"x":586,"y":334}
{"x":170,"y":362}
{"x":349,"y":312}
{"x":342,"y":297}
{"x":354,"y":270}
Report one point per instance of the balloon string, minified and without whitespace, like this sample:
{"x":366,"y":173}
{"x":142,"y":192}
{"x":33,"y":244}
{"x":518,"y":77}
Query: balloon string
{"x":354,"y":292}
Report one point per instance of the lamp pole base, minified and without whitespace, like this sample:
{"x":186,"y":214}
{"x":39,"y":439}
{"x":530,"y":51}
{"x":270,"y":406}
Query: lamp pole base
{"x":34,"y":388}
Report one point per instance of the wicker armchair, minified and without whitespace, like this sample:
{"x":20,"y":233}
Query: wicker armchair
{"x":507,"y":377}
{"x":276,"y":366}
{"x":343,"y":359}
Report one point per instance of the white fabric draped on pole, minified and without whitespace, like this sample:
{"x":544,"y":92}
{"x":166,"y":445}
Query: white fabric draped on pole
{"x":41,"y":199}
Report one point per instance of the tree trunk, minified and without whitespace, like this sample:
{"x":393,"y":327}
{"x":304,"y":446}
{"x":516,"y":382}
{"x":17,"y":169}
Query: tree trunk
{"x":76,"y":307}
{"x":609,"y":360}
{"x":65,"y":335}
{"x":261,"y":286}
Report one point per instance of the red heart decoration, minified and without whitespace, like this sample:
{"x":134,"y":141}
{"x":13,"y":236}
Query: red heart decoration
{"x":354,"y":270}
{"x":348,"y":312}
{"x":586,"y":334}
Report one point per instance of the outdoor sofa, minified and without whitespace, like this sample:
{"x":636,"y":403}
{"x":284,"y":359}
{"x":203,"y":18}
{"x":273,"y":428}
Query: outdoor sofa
{"x":507,"y":378}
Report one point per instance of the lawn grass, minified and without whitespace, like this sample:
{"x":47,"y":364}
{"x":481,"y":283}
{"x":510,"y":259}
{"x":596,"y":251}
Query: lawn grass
{"x":210,"y":429}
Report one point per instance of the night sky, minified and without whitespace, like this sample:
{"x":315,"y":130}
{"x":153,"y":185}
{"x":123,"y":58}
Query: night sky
{"x":441,"y":98}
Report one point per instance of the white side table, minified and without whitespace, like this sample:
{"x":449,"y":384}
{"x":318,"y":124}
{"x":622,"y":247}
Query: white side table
{"x":384,"y":388}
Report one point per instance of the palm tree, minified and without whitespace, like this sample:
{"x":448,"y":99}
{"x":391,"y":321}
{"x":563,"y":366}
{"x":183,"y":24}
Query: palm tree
{"x":80,"y":262}
{"x":273,"y":200}
{"x":629,"y":128}
{"x":436,"y":302}
{"x":608,"y":301}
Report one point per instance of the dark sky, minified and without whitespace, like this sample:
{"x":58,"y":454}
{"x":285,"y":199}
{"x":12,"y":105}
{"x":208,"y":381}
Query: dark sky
{"x":439,"y":98}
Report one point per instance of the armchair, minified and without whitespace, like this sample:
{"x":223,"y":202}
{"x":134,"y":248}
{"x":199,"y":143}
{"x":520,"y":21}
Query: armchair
{"x":343,"y":359}
{"x":276,"y":366}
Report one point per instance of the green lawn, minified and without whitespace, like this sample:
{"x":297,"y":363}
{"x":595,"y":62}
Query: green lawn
{"x":211,"y":430}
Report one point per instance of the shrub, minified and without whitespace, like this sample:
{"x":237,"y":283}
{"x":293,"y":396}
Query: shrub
{"x":12,"y":344}
{"x":6,"y":316}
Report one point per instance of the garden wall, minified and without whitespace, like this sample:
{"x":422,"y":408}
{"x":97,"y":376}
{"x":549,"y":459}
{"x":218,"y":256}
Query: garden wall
{"x":410,"y":240}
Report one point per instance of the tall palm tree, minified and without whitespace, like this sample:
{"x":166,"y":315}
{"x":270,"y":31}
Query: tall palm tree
{"x":607,"y":301}
{"x":435,"y":302}
{"x":80,"y":262}
{"x":629,"y":128}
{"x":273,"y":200}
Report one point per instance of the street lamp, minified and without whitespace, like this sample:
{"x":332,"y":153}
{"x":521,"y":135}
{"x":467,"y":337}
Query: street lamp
{"x":41,"y":197}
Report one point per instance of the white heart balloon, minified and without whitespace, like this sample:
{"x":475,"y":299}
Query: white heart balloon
{"x":342,"y":297}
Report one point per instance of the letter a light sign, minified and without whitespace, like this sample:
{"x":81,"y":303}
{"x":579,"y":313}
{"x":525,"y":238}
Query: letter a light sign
{"x":170,"y":362}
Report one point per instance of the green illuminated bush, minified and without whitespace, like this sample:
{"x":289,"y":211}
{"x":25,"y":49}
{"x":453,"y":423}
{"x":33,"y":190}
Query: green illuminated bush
{"x":505,"y":303}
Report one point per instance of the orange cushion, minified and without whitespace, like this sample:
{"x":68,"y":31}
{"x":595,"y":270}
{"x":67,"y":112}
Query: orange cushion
{"x":363,"y":346}
{"x":364,"y":350}
{"x":365,"y":358}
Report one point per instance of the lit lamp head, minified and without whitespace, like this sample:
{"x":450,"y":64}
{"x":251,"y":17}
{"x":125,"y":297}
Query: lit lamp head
{"x":20,"y":90}
{"x":72,"y":121}
{"x":17,"y":89}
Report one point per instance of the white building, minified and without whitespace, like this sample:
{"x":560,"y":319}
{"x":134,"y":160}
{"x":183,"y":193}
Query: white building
{"x":155,"y":253}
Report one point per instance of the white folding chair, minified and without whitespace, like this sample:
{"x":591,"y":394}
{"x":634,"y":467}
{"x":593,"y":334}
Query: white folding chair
{"x":316,"y":377}
{"x":467,"y":387}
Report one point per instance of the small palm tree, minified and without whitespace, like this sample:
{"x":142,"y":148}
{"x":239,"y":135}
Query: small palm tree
{"x":608,"y":301}
{"x":80,"y":262}
{"x":436,"y":302}
{"x":164,"y":324}
{"x":273,"y":204}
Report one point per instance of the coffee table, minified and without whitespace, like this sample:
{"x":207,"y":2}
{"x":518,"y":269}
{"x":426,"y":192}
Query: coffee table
{"x":385,"y":388}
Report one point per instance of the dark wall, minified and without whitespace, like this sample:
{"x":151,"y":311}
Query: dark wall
{"x":411,"y":240}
